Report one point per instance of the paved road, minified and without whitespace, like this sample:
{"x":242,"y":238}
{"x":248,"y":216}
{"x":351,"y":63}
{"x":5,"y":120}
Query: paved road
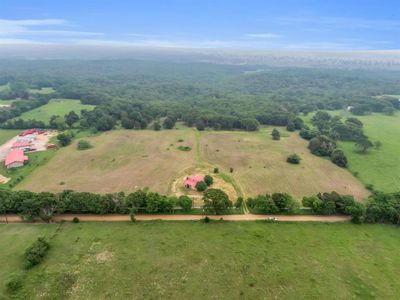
{"x":246,"y":217}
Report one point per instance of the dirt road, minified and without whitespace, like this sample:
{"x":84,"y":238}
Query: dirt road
{"x":246,"y":217}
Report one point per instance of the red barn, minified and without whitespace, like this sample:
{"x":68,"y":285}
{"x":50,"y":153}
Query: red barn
{"x":192,"y":180}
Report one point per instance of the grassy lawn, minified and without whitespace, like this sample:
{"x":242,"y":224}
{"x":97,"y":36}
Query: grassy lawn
{"x":380,"y":167}
{"x":7,"y":134}
{"x":194,"y":260}
{"x":55,"y":107}
{"x":125,"y":160}
{"x":43,"y":91}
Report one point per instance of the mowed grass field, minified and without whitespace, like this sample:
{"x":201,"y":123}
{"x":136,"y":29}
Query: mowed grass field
{"x":121,"y":160}
{"x":380,"y":167}
{"x":124,"y":160}
{"x":195,"y":260}
{"x":260,"y":166}
{"x":7,"y":134}
{"x":55,"y":107}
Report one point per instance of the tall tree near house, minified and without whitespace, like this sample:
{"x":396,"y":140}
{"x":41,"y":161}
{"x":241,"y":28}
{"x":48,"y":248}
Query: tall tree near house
{"x":216,"y":201}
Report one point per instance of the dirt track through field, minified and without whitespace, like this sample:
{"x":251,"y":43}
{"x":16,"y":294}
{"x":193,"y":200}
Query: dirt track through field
{"x":246,"y":217}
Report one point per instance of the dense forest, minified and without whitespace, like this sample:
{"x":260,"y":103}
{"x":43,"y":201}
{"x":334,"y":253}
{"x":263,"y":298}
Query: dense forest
{"x":134,"y":93}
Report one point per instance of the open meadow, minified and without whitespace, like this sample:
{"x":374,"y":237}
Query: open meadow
{"x":58,"y":107}
{"x":126,"y":160}
{"x":196,"y":260}
{"x":379,"y":167}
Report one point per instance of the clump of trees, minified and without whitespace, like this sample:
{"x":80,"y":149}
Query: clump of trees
{"x":216,"y":201}
{"x":64,"y":139}
{"x":273,"y":204}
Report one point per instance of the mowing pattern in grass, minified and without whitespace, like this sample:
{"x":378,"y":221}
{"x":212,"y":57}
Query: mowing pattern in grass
{"x":194,"y":260}
{"x":55,"y":107}
{"x":259,"y":165}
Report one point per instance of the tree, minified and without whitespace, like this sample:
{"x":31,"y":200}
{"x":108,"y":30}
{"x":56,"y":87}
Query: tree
{"x":276,"y":136}
{"x":169,"y":123}
{"x":201,"y":186}
{"x":156,"y":126}
{"x":64,"y":139}
{"x":200,"y":126}
{"x":363,"y":145}
{"x":321,"y":146}
{"x":389,"y":110}
{"x":216,"y":201}
{"x":291,"y":126}
{"x":185,"y":202}
{"x":71,"y":118}
{"x":378,"y":144}
{"x":293,"y":159}
{"x":338,"y":158}
{"x":208,"y":180}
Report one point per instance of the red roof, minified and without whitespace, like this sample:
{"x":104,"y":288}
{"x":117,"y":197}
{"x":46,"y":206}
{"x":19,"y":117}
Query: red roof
{"x":192,"y":180}
{"x":28,"y":131}
{"x":15,"y":155}
{"x":21,"y":144}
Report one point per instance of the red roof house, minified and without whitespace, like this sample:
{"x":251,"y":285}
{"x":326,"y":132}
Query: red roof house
{"x":15,"y":158}
{"x":192,"y":180}
{"x":21,"y":145}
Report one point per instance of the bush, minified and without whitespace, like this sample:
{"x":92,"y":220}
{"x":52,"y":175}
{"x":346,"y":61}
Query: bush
{"x":208,"y":180}
{"x":206,"y":219}
{"x":36,"y":253}
{"x":201,"y":186}
{"x":75,"y":220}
{"x":293,"y":159}
{"x":216,"y":170}
{"x":83,"y":145}
{"x":14,"y":283}
{"x":132,"y":216}
{"x":338,"y":158}
{"x":64,"y":139}
{"x":276,"y":136}
{"x":184,"y":148}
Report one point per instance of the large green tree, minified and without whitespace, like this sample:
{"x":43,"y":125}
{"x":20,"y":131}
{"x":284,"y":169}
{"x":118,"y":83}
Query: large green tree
{"x":216,"y":201}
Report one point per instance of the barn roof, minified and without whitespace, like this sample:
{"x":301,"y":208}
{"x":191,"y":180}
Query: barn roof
{"x":15,"y":155}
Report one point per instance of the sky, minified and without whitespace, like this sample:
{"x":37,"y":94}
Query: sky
{"x":244,"y":24}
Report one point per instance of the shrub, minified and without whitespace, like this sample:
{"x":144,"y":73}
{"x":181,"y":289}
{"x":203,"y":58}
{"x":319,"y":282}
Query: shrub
{"x":201,"y":186}
{"x":64,"y":139}
{"x":206,"y":219}
{"x":35,"y":254}
{"x":14,"y":283}
{"x":338,"y":158}
{"x":83,"y":145}
{"x":208,"y":180}
{"x":216,"y":170}
{"x":276,"y":136}
{"x":132,"y":216}
{"x":231,"y":170}
{"x":293,"y":159}
{"x":75,"y":220}
{"x":184,"y":148}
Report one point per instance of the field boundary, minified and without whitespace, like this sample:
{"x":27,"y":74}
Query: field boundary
{"x":149,"y":217}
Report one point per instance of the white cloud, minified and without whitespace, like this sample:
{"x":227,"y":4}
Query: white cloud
{"x":263,"y":35}
{"x":28,"y":27}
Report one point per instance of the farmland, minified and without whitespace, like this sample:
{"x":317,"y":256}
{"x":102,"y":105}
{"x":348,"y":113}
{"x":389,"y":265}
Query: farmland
{"x":195,"y":260}
{"x":55,"y":107}
{"x":380,"y":167}
{"x":125,"y":160}
{"x":6,"y":134}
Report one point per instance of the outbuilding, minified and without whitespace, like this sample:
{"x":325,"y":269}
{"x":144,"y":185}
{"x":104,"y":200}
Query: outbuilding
{"x":15,"y":159}
{"x":192,"y":180}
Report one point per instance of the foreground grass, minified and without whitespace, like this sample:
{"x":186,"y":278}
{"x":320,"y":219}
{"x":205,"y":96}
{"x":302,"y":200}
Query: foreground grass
{"x":194,"y":260}
{"x":55,"y":107}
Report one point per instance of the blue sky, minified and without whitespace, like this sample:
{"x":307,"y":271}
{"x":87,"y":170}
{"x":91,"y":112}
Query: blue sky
{"x":284,"y":24}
